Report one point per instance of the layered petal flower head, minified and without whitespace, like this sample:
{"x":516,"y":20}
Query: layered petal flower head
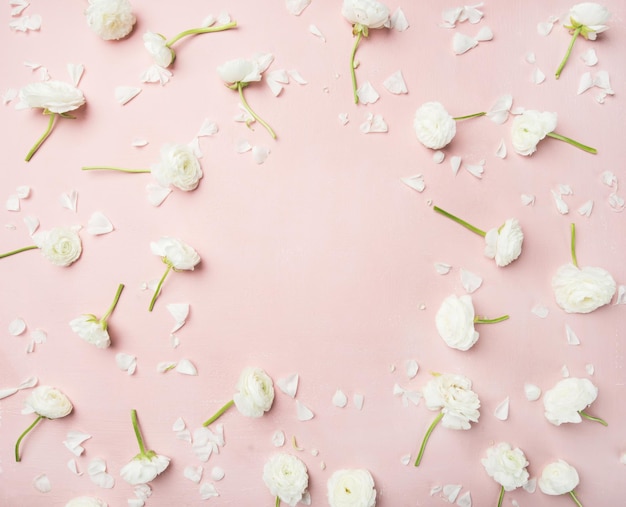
{"x":351,"y":488}
{"x":61,"y":246}
{"x":567,"y":400}
{"x":507,"y":466}
{"x":558,"y":478}
{"x":86,"y":501}
{"x":110,"y":19}
{"x":178,"y":167}
{"x":434,"y":126}
{"x":286,"y":477}
{"x":94,"y":330}
{"x":455,"y":322}
{"x":504,"y":243}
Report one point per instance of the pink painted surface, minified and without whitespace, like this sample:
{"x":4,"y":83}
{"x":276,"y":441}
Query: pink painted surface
{"x":318,"y":262}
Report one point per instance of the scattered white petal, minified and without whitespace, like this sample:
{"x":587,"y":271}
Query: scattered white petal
{"x":32,"y":65}
{"x":296,"y":7}
{"x":156,"y":193}
{"x":69,"y":201}
{"x":17,"y":327}
{"x":242,"y":146}
{"x":367,"y":94}
{"x":502,"y":410}
{"x":179,"y":424}
{"x":609,"y":179}
{"x":289,"y":385}
{"x":561,"y":205}
{"x":484,"y":34}
{"x":42,"y":483}
{"x":124,"y":94}
{"x":531,"y":485}
{"x":407,"y":396}
{"x":435,"y":489}
{"x":304,"y":413}
{"x":217,"y":473}
{"x":586,"y":82}
{"x":195,"y":147}
{"x":601,"y":80}
{"x":411,"y":368}
{"x":340,"y":399}
{"x":139,"y":143}
{"x":358,"y":400}
{"x":544,"y":28}
{"x":142,"y":491}
{"x":99,"y":224}
{"x":194,"y":474}
{"x":278,"y":438}
{"x":26,"y":23}
{"x":470,"y":281}
{"x":17,"y":6}
{"x":260,"y":154}
{"x":589,"y":57}
{"x":314,"y":452}
{"x":540,"y":311}
{"x":515,"y":503}
{"x":528,"y":200}
{"x":135,"y":502}
{"x":207,"y":490}
{"x":39,"y":336}
{"x":572,"y":339}
{"x":126,"y":362}
{"x":442,"y":268}
{"x":585,"y":209}
{"x":538,"y":76}
{"x":156,"y":74}
{"x":622,"y":458}
{"x":589,"y":368}
{"x":186,"y":367}
{"x":398,"y":20}
{"x":23,"y":191}
{"x":564,"y":371}
{"x":73,"y":466}
{"x":373,"y":123}
{"x":165,"y":366}
{"x":275,"y":80}
{"x":184,"y":435}
{"x":73,"y":441}
{"x":180,"y":312}
{"x":208,"y":128}
{"x":621,"y":295}
{"x":465,"y":500}
{"x":501,"y":151}
{"x":9,"y":95}
{"x":44,"y":75}
{"x":451,"y":491}
{"x":471,"y":13}
{"x":530,"y":57}
{"x":415,"y":182}
{"x":451,"y":16}
{"x":455,"y":163}
{"x":98,"y":475}
{"x":206,"y":442}
{"x":565,"y":189}
{"x":405,"y":459}
{"x":476,"y":170}
{"x":263,"y":61}
{"x":13,"y":203}
{"x":616,"y":202}
{"x":8,"y":391}
{"x":438,"y":157}
{"x":462,"y":43}
{"x":244,"y":116}
{"x":316,"y":31}
{"x":223,"y":18}
{"x":75,"y":71}
{"x":395,"y":83}
{"x":532,"y":391}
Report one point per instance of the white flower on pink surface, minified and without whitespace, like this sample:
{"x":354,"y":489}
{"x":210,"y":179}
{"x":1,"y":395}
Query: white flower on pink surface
{"x":434,"y":126}
{"x":94,"y":330}
{"x":157,"y":47}
{"x":567,"y":400}
{"x":86,"y":501}
{"x":178,"y":166}
{"x":255,"y":392}
{"x":504,"y":243}
{"x":507,"y":466}
{"x":61,"y":246}
{"x":110,"y":19}
{"x":558,"y":478}
{"x":286,"y":477}
{"x":351,"y":488}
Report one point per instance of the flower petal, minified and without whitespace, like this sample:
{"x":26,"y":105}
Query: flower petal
{"x":540,"y":311}
{"x":304,"y":413}
{"x":470,"y":281}
{"x":289,"y":385}
{"x":157,"y":194}
{"x":589,"y":57}
{"x":586,"y":208}
{"x":484,"y":34}
{"x":99,"y":224}
{"x":358,"y":400}
{"x":42,"y":483}
{"x":395,"y":83}
{"x":340,"y":399}
{"x":586,"y":82}
{"x":126,"y":362}
{"x":502,"y":410}
{"x":451,"y":491}
{"x":194,"y":474}
{"x":296,"y":7}
{"x":455,"y":163}
{"x":572,"y":339}
{"x":367,"y":94}
{"x":207,"y":490}
{"x":260,"y":154}
{"x":217,"y":473}
{"x":532,"y":392}
{"x":69,"y":201}
{"x":462,"y":43}
{"x":186,"y":367}
{"x":124,"y":94}
{"x":411,"y":368}
{"x":278,"y":438}
{"x":465,"y":500}
{"x":415,"y":182}
{"x":499,"y":111}
{"x":17,"y":327}
{"x":538,"y":76}
{"x":316,"y":31}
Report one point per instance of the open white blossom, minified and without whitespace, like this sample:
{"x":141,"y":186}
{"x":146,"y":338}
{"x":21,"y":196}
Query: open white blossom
{"x":367,"y":13}
{"x":565,"y":401}
{"x":434,"y":127}
{"x":178,"y":166}
{"x":504,"y":243}
{"x":144,"y":468}
{"x":240,"y":70}
{"x":48,"y":402}
{"x":286,"y":477}
{"x":110,"y":19}
{"x":590,"y":17}
{"x":582,"y":290}
{"x":176,"y":253}
{"x":558,"y":478}
{"x":452,"y":394}
{"x":90,"y":329}
{"x":255,"y":392}
{"x":54,"y":96}
{"x":86,"y":501}
{"x":351,"y":488}
{"x":157,"y":46}
{"x":507,"y":466}
{"x":61,"y":245}
{"x":529,"y":128}
{"x":455,"y":322}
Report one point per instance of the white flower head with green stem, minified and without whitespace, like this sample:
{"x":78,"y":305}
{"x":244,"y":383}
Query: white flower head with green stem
{"x":93,"y":329}
{"x":287,"y":478}
{"x":55,"y":99}
{"x":110,"y":19}
{"x":176,"y":255}
{"x":146,"y":465}
{"x":351,"y":488}
{"x":457,"y":404}
{"x":239,"y":73}
{"x":507,"y":466}
{"x":48,"y":403}
{"x":567,"y":400}
{"x":86,"y":501}
{"x":559,"y":478}
{"x":61,"y":245}
{"x":587,"y":19}
{"x":435,"y":127}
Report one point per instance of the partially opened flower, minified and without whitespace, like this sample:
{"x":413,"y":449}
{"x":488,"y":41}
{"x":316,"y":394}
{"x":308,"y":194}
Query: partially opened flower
{"x":146,"y":465}
{"x":351,"y":488}
{"x":86,"y":501}
{"x":457,"y":404}
{"x":60,"y":245}
{"x":434,"y":126}
{"x":363,"y":14}
{"x":239,"y":73}
{"x":254,"y":396}
{"x":286,"y":477}
{"x":502,"y":243}
{"x":48,"y":403}
{"x":531,"y":126}
{"x":559,"y":478}
{"x":507,"y":466}
{"x":567,"y":400}
{"x":587,"y":19}
{"x":93,"y":329}
{"x":54,"y":98}
{"x":110,"y":19}
{"x":582,"y":290}
{"x":176,"y":255}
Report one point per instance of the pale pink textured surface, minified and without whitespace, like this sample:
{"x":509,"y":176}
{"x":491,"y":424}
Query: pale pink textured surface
{"x":317,"y":262}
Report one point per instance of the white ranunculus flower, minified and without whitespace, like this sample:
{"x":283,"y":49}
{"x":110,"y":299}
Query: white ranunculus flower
{"x":86,"y":501}
{"x":582,"y":290}
{"x":48,"y":402}
{"x":144,"y":468}
{"x":590,"y":17}
{"x":564,"y":402}
{"x":54,"y":96}
{"x":558,"y":478}
{"x":239,"y":70}
{"x":255,"y":392}
{"x":90,"y":329}
{"x":368,"y":13}
{"x":286,"y":477}
{"x":453,"y":395}
{"x":529,"y":128}
{"x":156,"y":45}
{"x":507,"y":466}
{"x":433,"y":125}
{"x":351,"y":488}
{"x":110,"y":19}
{"x":455,"y":322}
{"x":504,"y":243}
{"x":178,"y":166}
{"x":61,"y":245}
{"x":175,"y":253}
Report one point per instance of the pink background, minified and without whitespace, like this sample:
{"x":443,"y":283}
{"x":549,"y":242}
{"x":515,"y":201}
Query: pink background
{"x":318,"y":262}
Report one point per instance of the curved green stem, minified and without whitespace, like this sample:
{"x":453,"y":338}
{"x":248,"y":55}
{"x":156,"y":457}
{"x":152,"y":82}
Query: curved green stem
{"x":158,"y":288}
{"x":460,"y":221}
{"x":591,"y":418}
{"x":573,"y":245}
{"x":218,"y":414}
{"x":277,"y":502}
{"x":13,"y":252}
{"x":19,"y":440}
{"x":578,"y":145}
{"x":195,"y":31}
{"x":120,"y":169}
{"x":575,"y":498}
{"x":557,"y":74}
{"x":45,"y":135}
{"x":426,"y":437}
{"x":480,"y":320}
{"x":133,"y":417}
{"x":249,"y":109}
{"x":108,"y":313}
{"x":352,"y":72}
{"x":501,"y":496}
{"x":475,"y":115}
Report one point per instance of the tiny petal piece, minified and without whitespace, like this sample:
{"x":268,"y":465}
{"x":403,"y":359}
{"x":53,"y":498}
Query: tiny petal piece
{"x":398,"y":20}
{"x":358,"y":400}
{"x":217,"y":473}
{"x":411,"y":368}
{"x":462,"y":43}
{"x":124,"y":94}
{"x":572,"y":339}
{"x":296,"y":7}
{"x":502,"y":410}
{"x":157,"y":193}
{"x":17,"y":327}
{"x":186,"y":367}
{"x":304,"y":413}
{"x":208,"y":490}
{"x":532,"y":392}
{"x":589,"y":57}
{"x":442,"y":268}
{"x":340,"y":399}
{"x":260,"y":154}
{"x":395,"y":83}
{"x":538,"y":76}
{"x":289,"y":385}
{"x":194,"y":474}
{"x":470,"y":281}
{"x":126,"y":362}
{"x":528,"y":200}
{"x":42,"y":483}
{"x":99,"y":224}
{"x":586,"y":208}
{"x":367,"y":94}
{"x":278,"y":438}
{"x":415,"y":182}
{"x":451,"y":491}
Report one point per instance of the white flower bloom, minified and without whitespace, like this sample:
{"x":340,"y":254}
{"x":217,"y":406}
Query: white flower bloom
{"x":54,"y":96}
{"x":173,"y":251}
{"x":455,"y":322}
{"x":61,"y":245}
{"x":504,"y":243}
{"x":368,"y":13}
{"x":453,"y":395}
{"x":558,"y":478}
{"x":590,"y":17}
{"x":90,"y":329}
{"x":110,"y":19}
{"x":582,"y":290}
{"x":567,"y":398}
{"x":351,"y":488}
{"x":255,"y":392}
{"x":239,"y":70}
{"x":507,"y":466}
{"x":86,"y":501}
{"x":48,"y":402}
{"x":156,"y":45}
{"x":142,"y":469}
{"x":433,"y":125}
{"x":286,"y":477}
{"x":178,"y":166}
{"x":529,"y":128}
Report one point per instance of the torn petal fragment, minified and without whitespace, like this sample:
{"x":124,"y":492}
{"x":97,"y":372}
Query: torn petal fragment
{"x":484,"y":34}
{"x":538,"y":76}
{"x":358,"y":400}
{"x":75,"y":70}
{"x":260,"y":154}
{"x":367,"y":94}
{"x":42,"y":483}
{"x":398,"y":20}
{"x":589,"y":57}
{"x":156,"y":193}
{"x":289,"y":385}
{"x":278,"y":438}
{"x":470,"y":281}
{"x":126,"y":362}
{"x":465,"y":500}
{"x":451,"y":491}
{"x":340,"y":399}
{"x":528,"y":200}
{"x":415,"y":182}
{"x":540,"y":311}
{"x":442,"y":268}
{"x":395,"y":83}
{"x":585,"y":209}
{"x":304,"y":413}
{"x":411,"y":368}
{"x":99,"y":224}
{"x":194,"y":474}
{"x":502,"y":410}
{"x":586,"y":82}
{"x":544,"y":28}
{"x":316,"y":31}
{"x":186,"y":367}
{"x":17,"y":327}
{"x":462,"y":43}
{"x":501,"y":151}
{"x":572,"y":339}
{"x":296,"y":7}
{"x":124,"y":94}
{"x":455,"y":163}
{"x":532,"y":392}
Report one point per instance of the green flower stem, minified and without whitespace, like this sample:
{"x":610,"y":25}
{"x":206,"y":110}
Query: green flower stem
{"x":501,"y":496}
{"x":120,"y":169}
{"x":573,"y":244}
{"x":277,"y":501}
{"x":218,"y":414}
{"x":352,"y":72}
{"x":557,"y":74}
{"x":158,"y":288}
{"x":475,"y":115}
{"x":108,"y":313}
{"x":591,"y":418}
{"x":578,"y":145}
{"x":45,"y":135}
{"x":480,"y":320}
{"x":195,"y":31}
{"x":142,"y":447}
{"x":19,"y":440}
{"x":575,"y":498}
{"x":249,"y":109}
{"x":426,"y":437}
{"x":13,"y":252}
{"x":459,"y":221}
